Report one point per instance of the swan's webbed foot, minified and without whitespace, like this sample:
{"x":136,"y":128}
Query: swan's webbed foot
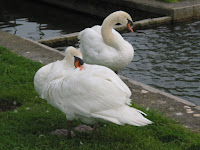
{"x":83,"y":128}
{"x":65,"y":132}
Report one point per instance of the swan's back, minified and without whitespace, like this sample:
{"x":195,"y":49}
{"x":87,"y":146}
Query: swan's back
{"x":96,"y":51}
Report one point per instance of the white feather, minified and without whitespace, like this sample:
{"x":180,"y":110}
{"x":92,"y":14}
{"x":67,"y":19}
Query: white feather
{"x":92,"y":94}
{"x":109,"y":49}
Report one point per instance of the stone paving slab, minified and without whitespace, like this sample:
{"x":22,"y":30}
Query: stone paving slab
{"x":28,"y":48}
{"x":179,"y":11}
{"x":186,"y":113}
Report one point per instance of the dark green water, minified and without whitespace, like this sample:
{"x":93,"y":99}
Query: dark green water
{"x":40,"y":21}
{"x":168,"y":58}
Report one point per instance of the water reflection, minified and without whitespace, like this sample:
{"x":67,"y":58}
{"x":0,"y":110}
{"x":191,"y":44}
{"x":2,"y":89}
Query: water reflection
{"x":27,"y":29}
{"x":168,"y":58}
{"x":38,"y":21}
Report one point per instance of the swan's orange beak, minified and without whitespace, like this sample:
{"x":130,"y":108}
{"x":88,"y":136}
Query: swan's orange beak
{"x":78,"y":62}
{"x":130,"y":25}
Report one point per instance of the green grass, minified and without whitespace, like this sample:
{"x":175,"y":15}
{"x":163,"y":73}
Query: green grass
{"x":28,"y":127}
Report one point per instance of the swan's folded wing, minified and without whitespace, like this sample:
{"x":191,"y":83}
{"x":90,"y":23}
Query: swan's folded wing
{"x":40,"y":78}
{"x":89,"y":41}
{"x":109,"y":75}
{"x":93,"y":47}
{"x":86,"y":94}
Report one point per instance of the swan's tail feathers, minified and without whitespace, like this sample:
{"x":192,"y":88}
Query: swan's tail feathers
{"x":123,"y":115}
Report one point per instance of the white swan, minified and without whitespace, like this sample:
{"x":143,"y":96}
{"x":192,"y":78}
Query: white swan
{"x":91,"y":93}
{"x":104,"y":46}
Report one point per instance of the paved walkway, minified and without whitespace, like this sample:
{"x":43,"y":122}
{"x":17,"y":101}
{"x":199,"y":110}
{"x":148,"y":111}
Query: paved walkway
{"x":29,"y":48}
{"x":179,"y":11}
{"x":187,"y":9}
{"x":184,"y":112}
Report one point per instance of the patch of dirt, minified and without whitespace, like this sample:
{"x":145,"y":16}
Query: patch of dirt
{"x":5,"y":105}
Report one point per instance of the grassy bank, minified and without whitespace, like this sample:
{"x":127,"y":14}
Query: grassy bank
{"x":28,"y":122}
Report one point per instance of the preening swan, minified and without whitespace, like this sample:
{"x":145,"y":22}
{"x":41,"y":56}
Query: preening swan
{"x":91,"y":93}
{"x":104,"y":46}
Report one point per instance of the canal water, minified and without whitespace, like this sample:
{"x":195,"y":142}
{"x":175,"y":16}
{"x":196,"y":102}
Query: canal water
{"x":40,"y":21}
{"x":167,"y":57}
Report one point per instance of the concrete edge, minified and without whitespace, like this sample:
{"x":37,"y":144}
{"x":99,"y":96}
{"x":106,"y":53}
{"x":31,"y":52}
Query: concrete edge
{"x":153,"y":90}
{"x":71,"y":39}
{"x":185,"y":13}
{"x":44,"y":46}
{"x":180,"y":11}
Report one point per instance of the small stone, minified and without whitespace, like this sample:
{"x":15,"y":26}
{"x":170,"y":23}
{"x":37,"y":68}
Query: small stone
{"x":196,"y":115}
{"x":27,"y":108}
{"x":144,"y":91}
{"x":15,"y":111}
{"x":27,"y":52}
{"x":197,"y":107}
{"x":171,"y":108}
{"x":41,"y":135}
{"x":179,"y":114}
{"x":187,"y":107}
{"x":189,"y":111}
{"x":147,"y":109}
{"x":162,"y":102}
{"x":14,"y":103}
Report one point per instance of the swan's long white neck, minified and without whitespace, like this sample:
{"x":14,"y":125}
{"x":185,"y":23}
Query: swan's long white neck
{"x":106,"y":31}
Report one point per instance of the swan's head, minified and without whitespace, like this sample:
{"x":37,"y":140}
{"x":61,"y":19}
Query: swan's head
{"x":78,"y":62}
{"x":121,"y":17}
{"x":70,"y":52}
{"x":125,"y":19}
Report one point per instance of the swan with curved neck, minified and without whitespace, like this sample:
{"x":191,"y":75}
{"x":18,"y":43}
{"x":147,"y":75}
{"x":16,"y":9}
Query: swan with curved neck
{"x":103,"y":45}
{"x":92,"y":94}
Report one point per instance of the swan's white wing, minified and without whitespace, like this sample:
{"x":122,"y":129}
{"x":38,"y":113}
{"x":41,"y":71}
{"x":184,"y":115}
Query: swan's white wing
{"x":93,"y":48}
{"x":41,"y":77}
{"x":95,"y":92}
{"x":97,"y":28}
{"x":47,"y":73}
{"x":84,"y":92}
{"x":96,"y":89}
